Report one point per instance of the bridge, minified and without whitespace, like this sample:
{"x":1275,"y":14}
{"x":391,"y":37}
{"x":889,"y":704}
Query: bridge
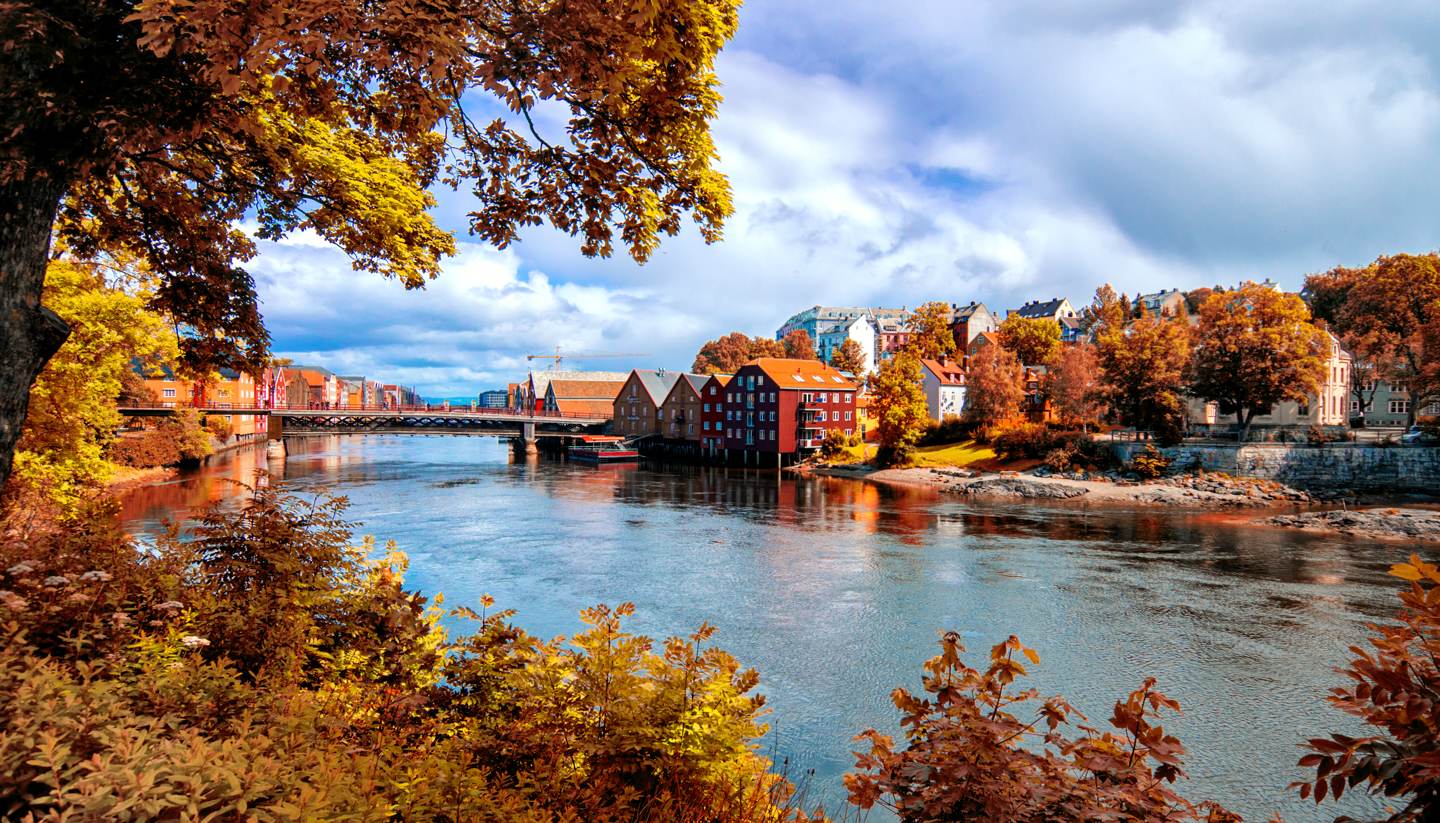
{"x":413,"y":419}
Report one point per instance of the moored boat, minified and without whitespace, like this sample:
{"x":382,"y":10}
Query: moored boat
{"x":602,"y":449}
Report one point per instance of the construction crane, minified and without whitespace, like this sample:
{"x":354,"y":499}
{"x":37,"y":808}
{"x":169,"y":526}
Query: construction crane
{"x":557,"y":357}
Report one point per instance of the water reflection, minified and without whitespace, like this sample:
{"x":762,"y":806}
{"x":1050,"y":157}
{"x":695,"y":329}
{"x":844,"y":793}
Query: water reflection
{"x":835,"y":589}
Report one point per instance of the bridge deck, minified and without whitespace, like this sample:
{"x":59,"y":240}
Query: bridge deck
{"x":438,"y":412}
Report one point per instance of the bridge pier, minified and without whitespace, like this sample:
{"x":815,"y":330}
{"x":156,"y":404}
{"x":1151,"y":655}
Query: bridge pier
{"x":274,"y":426}
{"x":526,"y":443}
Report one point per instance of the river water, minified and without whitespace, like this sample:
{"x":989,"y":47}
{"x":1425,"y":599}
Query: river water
{"x":836,"y":590}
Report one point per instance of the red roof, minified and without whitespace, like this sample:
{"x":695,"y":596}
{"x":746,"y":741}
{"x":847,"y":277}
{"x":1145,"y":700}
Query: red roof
{"x":948,"y":372}
{"x":802,"y":374}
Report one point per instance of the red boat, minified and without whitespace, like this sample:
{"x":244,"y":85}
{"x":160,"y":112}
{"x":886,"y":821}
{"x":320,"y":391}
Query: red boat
{"x":603,"y":449}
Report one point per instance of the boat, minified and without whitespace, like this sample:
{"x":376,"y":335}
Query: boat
{"x":603,"y":449}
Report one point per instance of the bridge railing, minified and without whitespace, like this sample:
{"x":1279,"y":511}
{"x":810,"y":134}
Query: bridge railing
{"x":408,"y":408}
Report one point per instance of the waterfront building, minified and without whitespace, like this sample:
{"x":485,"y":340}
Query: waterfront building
{"x":1390,"y":404}
{"x":229,"y":389}
{"x":712,"y":412}
{"x":169,"y":390}
{"x":636,"y":409}
{"x":944,"y":384}
{"x":396,"y":396}
{"x":782,"y":407}
{"x":583,"y":394}
{"x":530,"y":398}
{"x":680,"y":411}
{"x":323,"y":385}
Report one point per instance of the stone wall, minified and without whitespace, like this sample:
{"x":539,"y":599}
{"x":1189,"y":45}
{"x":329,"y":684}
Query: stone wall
{"x":1334,"y":466}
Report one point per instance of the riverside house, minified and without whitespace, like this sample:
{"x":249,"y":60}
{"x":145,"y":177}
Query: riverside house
{"x":712,"y":413}
{"x":637,"y":408}
{"x":680,"y":411}
{"x":777,"y":409}
{"x":944,"y":384}
{"x":583,"y":394}
{"x":530,"y":398}
{"x":1328,"y":408}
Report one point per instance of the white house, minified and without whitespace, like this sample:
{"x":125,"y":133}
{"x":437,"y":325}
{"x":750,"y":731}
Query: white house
{"x":861,"y":329}
{"x":944,"y":383}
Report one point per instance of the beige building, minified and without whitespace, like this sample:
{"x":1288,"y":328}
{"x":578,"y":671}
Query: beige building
{"x":1330,"y":406}
{"x":637,"y":406}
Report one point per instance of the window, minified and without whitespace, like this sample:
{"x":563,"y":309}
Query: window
{"x":807,"y":397}
{"x":1304,"y":410}
{"x":749,"y":381}
{"x":772,"y":397}
{"x":824,"y":398}
{"x":821,"y":417}
{"x":1368,"y":385}
{"x":760,"y":380}
{"x":707,"y":425}
{"x":1399,"y":406}
{"x":707,"y":407}
{"x":1354,"y":406}
{"x":847,"y":419}
{"x":712,"y":391}
{"x":772,"y":417}
{"x":168,"y":392}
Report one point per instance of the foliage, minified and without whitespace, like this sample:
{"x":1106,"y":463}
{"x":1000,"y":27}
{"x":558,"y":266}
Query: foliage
{"x":1072,"y":384}
{"x":837,"y":445}
{"x":1036,"y":341}
{"x":799,"y":346}
{"x":72,"y":415}
{"x":930,"y":334}
{"x":1037,"y":440}
{"x":218,"y":426}
{"x":275,"y":670}
{"x":1255,"y":347}
{"x":1148,"y":463}
{"x":952,"y":429}
{"x":725,"y":355}
{"x":849,"y":356}
{"x":970,"y":755}
{"x":1142,"y":366}
{"x":1392,"y":687}
{"x":898,"y":407}
{"x":1382,"y":313}
{"x":174,"y":440}
{"x":994,"y":386}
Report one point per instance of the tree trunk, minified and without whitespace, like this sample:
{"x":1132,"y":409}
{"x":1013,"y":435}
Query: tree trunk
{"x":29,"y":332}
{"x":1244,"y":418}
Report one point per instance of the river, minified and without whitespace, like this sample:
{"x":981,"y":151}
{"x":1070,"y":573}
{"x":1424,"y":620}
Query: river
{"x":836,"y":590}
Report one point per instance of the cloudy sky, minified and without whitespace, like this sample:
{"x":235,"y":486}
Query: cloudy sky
{"x":891,"y":153}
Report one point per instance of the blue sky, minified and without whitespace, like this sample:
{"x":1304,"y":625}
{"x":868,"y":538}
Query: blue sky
{"x":892,"y":153}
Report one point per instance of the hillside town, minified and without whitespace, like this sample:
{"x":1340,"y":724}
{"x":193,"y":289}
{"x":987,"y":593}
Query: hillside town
{"x":763,"y":401}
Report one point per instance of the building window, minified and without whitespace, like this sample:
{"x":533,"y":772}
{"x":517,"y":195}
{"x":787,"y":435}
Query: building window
{"x":707,"y":407}
{"x":1304,"y":410}
{"x":168,"y":392}
{"x":1354,"y":406}
{"x":847,"y":420}
{"x":1399,"y":406}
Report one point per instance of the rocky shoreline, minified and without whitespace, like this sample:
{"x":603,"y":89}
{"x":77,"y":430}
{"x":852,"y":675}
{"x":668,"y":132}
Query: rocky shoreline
{"x":1380,"y":523}
{"x":1203,"y":490}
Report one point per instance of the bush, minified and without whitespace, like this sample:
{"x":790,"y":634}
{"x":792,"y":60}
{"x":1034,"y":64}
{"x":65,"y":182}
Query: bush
{"x":273,"y":669}
{"x":218,"y":427}
{"x":1149,"y":463}
{"x":950,"y":430}
{"x":175,"y":440}
{"x":969,"y":756}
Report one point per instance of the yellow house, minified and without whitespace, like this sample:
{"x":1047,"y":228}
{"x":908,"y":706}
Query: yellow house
{"x":1328,"y":407}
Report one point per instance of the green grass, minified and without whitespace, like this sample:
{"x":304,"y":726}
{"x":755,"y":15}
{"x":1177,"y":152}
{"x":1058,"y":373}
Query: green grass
{"x":956,"y":455}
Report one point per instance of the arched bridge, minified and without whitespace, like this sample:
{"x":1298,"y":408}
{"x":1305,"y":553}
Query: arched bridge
{"x":423,"y":419}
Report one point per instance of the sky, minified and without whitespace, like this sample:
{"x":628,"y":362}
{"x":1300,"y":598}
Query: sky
{"x":891,"y":153}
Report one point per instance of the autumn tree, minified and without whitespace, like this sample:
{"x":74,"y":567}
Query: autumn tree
{"x":1073,"y":385}
{"x":156,"y":128}
{"x":898,"y":407}
{"x":726,"y":354}
{"x":849,"y":356}
{"x":73,"y":417}
{"x":1142,"y":367}
{"x":994,"y":386}
{"x":930,"y":334}
{"x":799,"y":346}
{"x":1381,"y":314}
{"x":1106,"y":310}
{"x":1035,"y":341}
{"x":1255,"y":347}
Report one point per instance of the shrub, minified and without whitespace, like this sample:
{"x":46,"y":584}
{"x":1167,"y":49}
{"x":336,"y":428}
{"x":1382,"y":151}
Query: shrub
{"x":970,"y":756}
{"x":1392,"y":688}
{"x":1036,"y":440}
{"x":177,"y":439}
{"x":1061,"y":459}
{"x":218,"y":426}
{"x":273,"y":669}
{"x":1149,"y":463}
{"x":952,"y":429}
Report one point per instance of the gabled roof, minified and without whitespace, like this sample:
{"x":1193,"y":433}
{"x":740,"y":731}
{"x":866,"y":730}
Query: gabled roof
{"x":984,"y":338}
{"x":966,"y":311}
{"x":802,"y":374}
{"x":948,"y":373}
{"x":696,"y":382}
{"x":605,"y":390}
{"x":655,"y":382}
{"x":721,"y":380}
{"x":586,"y":407}
{"x":1036,"y":308}
{"x":541,"y":379}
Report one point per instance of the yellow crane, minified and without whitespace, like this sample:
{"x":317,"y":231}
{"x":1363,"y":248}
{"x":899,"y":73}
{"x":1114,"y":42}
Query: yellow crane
{"x":558,"y":357}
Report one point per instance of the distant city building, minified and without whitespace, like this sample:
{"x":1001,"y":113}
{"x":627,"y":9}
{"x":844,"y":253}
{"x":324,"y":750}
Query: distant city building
{"x":810,"y":320}
{"x":861,"y":329}
{"x":493,"y":399}
{"x":944,"y":384}
{"x":970,"y":320}
{"x":1163,"y":303}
